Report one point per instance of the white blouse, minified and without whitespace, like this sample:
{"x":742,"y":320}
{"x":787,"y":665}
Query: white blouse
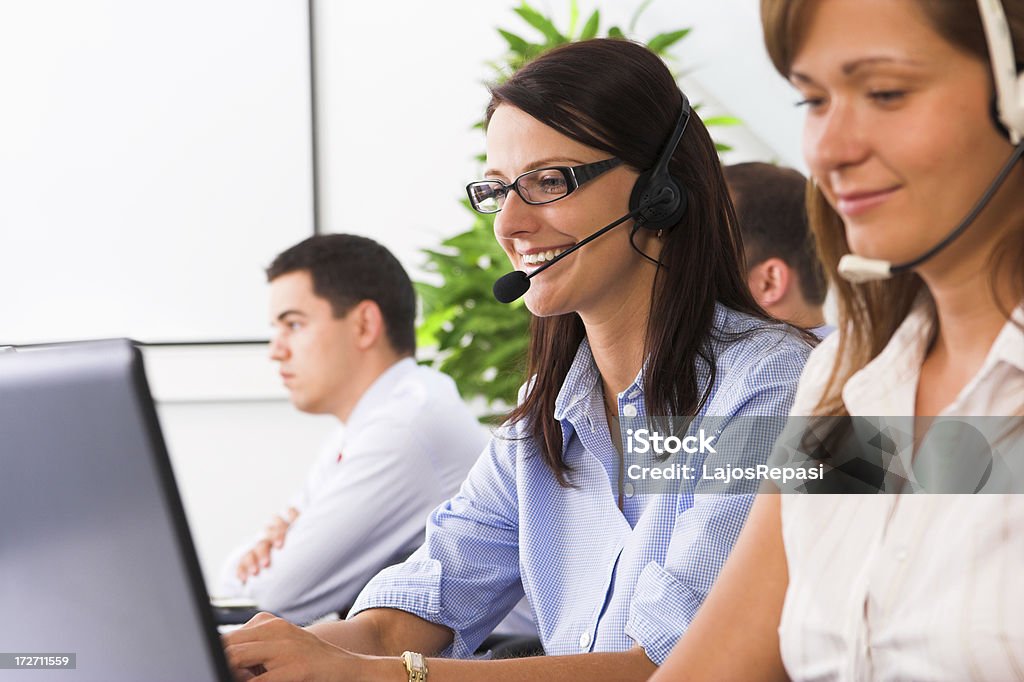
{"x":907,"y":587}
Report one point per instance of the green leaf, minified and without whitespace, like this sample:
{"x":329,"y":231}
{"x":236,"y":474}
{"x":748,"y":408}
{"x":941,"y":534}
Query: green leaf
{"x":591,"y":27}
{"x":515,"y":43}
{"x":636,"y":15}
{"x":616,"y":32}
{"x":574,"y":17}
{"x":722,"y":121}
{"x":427,"y":333}
{"x":541,"y":23}
{"x":663,"y":41}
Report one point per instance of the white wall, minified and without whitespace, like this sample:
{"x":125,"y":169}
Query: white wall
{"x":725,"y":57}
{"x":152,"y":155}
{"x":400,"y":84}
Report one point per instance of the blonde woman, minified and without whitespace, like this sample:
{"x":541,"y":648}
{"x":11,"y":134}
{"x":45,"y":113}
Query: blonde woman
{"x":902,"y":137}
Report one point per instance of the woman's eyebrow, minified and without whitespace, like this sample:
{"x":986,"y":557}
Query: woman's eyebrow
{"x":850,"y":69}
{"x":541,"y":163}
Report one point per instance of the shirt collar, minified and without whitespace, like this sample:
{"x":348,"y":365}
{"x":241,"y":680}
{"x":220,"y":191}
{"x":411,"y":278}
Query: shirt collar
{"x":380,"y":390}
{"x":582,"y":379}
{"x":582,"y":382}
{"x":1009,"y":345}
{"x":888,"y":384}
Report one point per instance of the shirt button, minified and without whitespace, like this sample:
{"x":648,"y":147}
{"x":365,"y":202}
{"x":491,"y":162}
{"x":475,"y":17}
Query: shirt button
{"x":629,"y":410}
{"x":585,"y":641}
{"x":901,"y":554}
{"x":628,"y":489}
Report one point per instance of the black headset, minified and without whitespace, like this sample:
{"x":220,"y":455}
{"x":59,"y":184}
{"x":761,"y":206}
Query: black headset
{"x":660,"y":199}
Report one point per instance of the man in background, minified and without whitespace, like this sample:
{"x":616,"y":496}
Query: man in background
{"x":343,"y":312}
{"x":783,"y":270}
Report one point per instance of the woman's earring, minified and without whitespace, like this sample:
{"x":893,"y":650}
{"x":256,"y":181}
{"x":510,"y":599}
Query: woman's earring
{"x":660,"y":232}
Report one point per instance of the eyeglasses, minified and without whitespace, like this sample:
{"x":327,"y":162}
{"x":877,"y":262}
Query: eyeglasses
{"x":541,"y":186}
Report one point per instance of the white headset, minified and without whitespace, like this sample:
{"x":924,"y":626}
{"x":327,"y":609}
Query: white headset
{"x":1009,"y":84}
{"x":1010,"y":108}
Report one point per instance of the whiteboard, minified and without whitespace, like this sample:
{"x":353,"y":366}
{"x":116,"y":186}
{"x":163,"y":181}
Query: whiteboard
{"x":154,"y":157}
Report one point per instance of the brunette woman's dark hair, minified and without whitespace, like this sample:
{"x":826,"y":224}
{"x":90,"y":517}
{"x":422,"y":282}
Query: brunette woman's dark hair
{"x":619,"y":97}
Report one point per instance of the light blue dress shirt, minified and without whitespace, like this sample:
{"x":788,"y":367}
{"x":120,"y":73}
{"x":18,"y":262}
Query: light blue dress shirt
{"x":599,"y":578}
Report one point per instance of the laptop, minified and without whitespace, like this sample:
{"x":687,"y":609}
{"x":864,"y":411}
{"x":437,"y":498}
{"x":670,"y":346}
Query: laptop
{"x":97,"y":567}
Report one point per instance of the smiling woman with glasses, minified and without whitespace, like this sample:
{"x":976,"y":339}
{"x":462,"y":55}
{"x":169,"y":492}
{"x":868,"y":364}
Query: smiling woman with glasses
{"x":614,"y":571}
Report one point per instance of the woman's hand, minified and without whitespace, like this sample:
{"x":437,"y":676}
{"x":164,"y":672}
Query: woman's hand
{"x":270,"y":649}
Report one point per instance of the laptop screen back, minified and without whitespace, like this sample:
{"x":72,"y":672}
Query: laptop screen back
{"x":95,"y":554}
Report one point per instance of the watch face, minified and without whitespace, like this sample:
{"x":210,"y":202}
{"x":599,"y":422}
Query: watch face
{"x":415,"y":666}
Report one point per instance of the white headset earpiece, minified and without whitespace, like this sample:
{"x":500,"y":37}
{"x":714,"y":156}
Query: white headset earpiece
{"x":1009,"y":84}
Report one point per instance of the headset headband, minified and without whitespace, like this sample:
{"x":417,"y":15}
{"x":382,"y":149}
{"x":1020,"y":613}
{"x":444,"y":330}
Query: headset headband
{"x":1009,"y":85}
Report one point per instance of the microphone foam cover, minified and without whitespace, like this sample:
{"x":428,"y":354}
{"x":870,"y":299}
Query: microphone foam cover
{"x":858,"y":269}
{"x":511,"y":286}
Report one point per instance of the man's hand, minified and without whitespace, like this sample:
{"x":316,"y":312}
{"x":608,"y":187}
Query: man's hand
{"x":271,"y":648}
{"x":259,"y":556}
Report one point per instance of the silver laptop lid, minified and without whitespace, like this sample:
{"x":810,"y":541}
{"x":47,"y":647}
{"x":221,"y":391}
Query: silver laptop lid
{"x":96,"y":558}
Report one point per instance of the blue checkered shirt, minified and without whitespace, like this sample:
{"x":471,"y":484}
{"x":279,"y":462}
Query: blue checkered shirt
{"x":598,"y":578}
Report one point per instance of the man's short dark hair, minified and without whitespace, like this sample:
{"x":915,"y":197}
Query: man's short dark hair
{"x":347,"y":269}
{"x":773,"y":219}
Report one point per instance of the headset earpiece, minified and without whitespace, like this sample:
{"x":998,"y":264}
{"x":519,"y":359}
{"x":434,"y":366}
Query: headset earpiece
{"x":662,"y":201}
{"x":660,"y":198}
{"x":996,"y":123}
{"x":1009,"y":95}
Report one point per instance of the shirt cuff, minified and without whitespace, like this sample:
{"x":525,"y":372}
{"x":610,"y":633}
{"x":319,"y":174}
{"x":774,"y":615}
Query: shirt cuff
{"x":413,"y":587}
{"x":662,"y":610}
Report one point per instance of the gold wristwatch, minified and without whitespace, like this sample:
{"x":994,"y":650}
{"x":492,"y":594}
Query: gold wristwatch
{"x":415,"y":665}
